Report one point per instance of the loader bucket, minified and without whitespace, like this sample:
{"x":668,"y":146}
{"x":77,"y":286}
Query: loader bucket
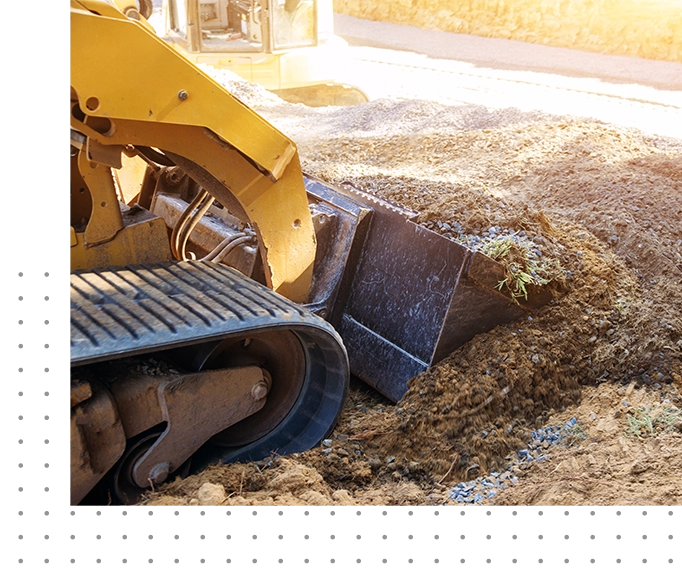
{"x":403,"y":297}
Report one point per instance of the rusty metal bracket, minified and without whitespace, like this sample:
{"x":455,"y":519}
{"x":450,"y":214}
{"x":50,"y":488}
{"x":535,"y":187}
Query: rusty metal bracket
{"x":105,"y":221}
{"x":97,"y":437}
{"x":109,"y":155}
{"x":196,"y":407}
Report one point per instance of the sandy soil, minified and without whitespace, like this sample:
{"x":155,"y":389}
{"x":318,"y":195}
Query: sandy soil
{"x":601,"y":202}
{"x":621,"y":461}
{"x":616,"y":460}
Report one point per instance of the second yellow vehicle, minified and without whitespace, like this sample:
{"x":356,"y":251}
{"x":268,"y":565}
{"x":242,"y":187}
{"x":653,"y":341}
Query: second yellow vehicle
{"x":287,"y":46}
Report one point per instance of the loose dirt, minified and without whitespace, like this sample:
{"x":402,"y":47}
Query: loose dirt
{"x":602,"y":202}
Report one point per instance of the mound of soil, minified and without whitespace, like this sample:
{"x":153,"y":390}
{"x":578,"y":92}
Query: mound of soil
{"x":601,"y":200}
{"x":625,"y":451}
{"x":628,"y":454}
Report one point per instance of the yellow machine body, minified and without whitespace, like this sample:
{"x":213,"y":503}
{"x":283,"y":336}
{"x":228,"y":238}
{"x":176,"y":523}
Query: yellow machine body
{"x":257,"y":168}
{"x":187,"y":210}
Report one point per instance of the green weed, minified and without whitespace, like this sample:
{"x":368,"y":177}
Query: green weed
{"x":523,"y":267}
{"x":645,"y":423}
{"x":574,"y":434}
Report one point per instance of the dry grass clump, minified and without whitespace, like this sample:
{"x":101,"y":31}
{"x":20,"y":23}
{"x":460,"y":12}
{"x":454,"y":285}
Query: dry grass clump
{"x":523,"y":266}
{"x":644,"y":28}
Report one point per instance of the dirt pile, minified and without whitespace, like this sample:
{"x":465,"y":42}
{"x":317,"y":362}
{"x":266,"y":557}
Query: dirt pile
{"x":628,"y":454}
{"x":606,"y":204}
{"x":284,"y":481}
{"x":594,"y":195}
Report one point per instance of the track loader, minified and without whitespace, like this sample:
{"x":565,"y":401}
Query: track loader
{"x":220,"y":298}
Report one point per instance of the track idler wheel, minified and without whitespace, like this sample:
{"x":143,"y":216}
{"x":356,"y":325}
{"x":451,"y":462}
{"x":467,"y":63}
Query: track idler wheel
{"x":123,"y":486}
{"x":309,"y":384}
{"x":280,"y":355}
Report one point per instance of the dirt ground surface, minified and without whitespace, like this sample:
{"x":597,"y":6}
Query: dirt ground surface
{"x":599,"y":368}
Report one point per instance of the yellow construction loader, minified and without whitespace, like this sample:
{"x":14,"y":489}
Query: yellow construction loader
{"x":220,"y":299}
{"x":288,"y":46}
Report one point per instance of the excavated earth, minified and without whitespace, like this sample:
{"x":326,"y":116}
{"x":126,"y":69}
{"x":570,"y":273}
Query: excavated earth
{"x":601,"y":203}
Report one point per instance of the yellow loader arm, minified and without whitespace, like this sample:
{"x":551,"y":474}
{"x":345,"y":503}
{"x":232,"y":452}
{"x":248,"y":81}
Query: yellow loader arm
{"x":130,"y":89}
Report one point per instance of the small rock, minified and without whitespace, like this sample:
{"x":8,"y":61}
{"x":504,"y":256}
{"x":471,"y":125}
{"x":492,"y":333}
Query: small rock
{"x":343,"y":497}
{"x":211,"y":494}
{"x":327,"y":442}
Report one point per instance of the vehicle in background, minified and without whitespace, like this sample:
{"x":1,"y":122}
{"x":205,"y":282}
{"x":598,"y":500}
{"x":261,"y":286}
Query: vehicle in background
{"x":287,"y":46}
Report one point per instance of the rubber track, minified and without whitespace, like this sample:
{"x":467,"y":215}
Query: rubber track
{"x":123,"y":311}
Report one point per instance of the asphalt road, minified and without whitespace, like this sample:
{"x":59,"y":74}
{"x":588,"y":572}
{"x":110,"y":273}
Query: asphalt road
{"x":405,"y":62}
